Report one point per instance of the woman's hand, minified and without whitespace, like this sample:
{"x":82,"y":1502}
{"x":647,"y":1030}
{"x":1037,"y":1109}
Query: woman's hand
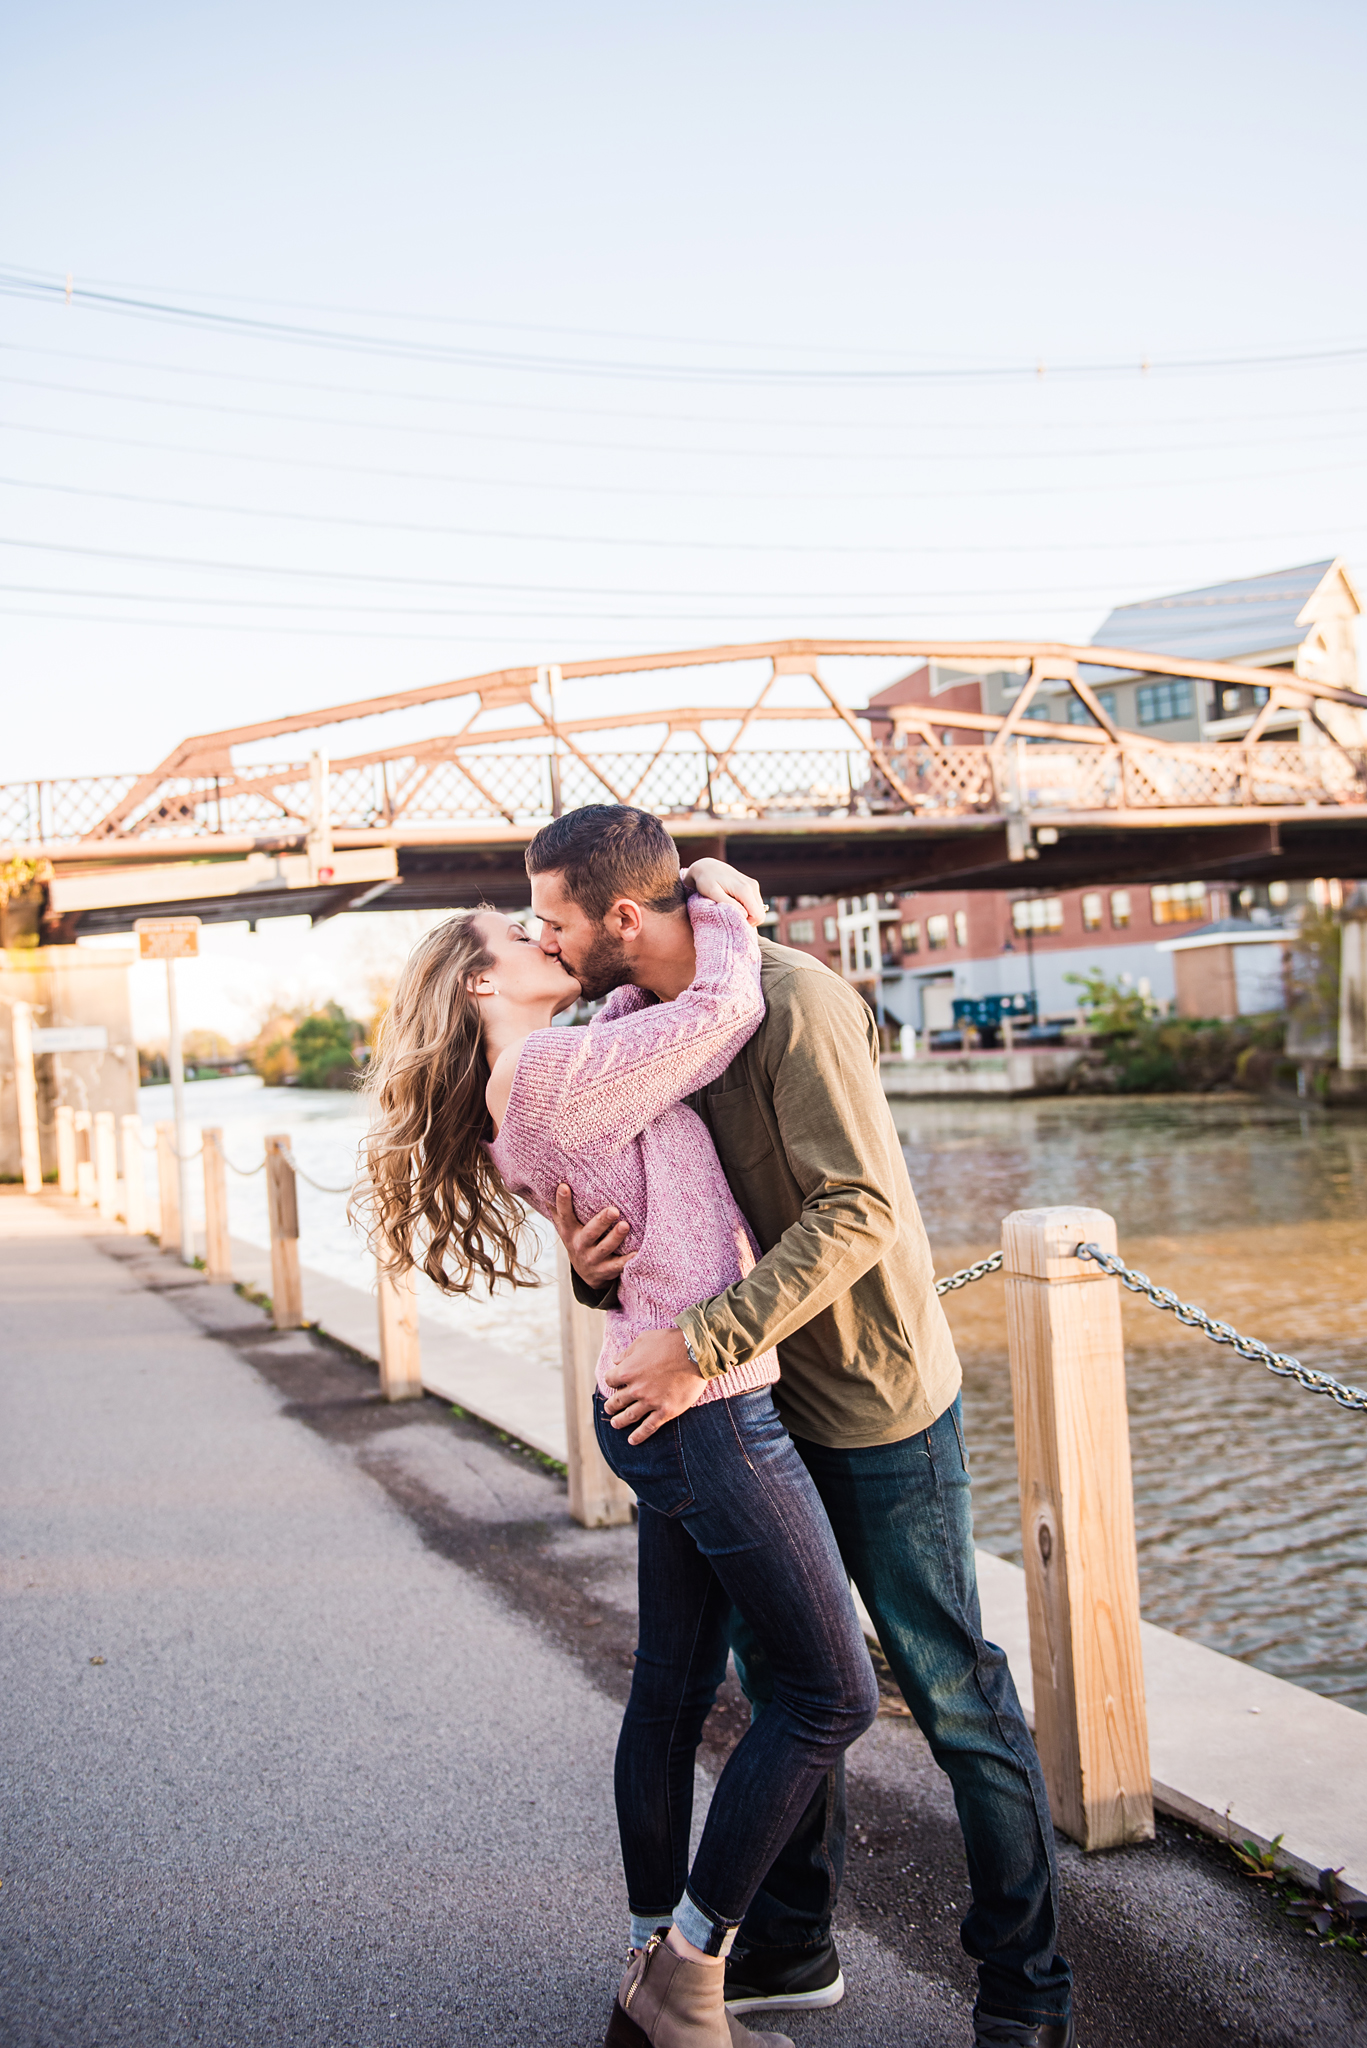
{"x":721,"y":883}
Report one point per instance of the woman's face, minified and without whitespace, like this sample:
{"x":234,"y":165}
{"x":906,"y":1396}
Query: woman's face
{"x":521,"y":972}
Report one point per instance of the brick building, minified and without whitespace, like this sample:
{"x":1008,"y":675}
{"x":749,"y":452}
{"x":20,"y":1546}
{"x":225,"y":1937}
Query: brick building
{"x":912,"y":954}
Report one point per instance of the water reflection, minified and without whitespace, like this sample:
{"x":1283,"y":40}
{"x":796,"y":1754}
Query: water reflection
{"x":1249,"y":1493}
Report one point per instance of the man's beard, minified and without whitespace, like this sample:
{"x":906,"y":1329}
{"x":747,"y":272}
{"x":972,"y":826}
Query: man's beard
{"x":603,"y":967}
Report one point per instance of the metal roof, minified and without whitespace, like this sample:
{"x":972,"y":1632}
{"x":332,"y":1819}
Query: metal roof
{"x":1222,"y":622}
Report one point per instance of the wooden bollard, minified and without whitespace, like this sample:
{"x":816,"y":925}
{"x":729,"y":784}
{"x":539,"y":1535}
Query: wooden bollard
{"x":66,"y":1149}
{"x":1077,"y":1525}
{"x":400,"y":1343}
{"x":282,"y":1203}
{"x":218,"y":1257}
{"x":598,"y":1499}
{"x":106,"y":1150}
{"x":168,"y":1189}
{"x":26,"y":1092}
{"x":85,"y":1165}
{"x":134,"y":1187}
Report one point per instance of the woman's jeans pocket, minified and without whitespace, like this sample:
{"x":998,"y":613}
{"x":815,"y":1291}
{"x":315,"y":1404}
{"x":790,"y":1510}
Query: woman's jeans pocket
{"x":655,"y":1470}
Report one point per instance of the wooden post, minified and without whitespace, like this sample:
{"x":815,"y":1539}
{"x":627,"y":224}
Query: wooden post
{"x":400,"y":1345}
{"x":85,"y":1164}
{"x":66,"y":1150}
{"x":598,"y":1499}
{"x":1077,"y":1525}
{"x":168,"y":1188}
{"x":134,"y":1186}
{"x":282,"y":1202}
{"x":26,"y":1088}
{"x":106,"y":1165}
{"x":218,"y":1258}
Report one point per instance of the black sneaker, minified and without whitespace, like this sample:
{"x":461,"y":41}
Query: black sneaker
{"x":784,"y":1980}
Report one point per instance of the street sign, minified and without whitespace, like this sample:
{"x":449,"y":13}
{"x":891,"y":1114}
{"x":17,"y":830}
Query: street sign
{"x":70,"y":1038}
{"x":168,"y":938}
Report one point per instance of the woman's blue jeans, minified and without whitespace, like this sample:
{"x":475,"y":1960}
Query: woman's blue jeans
{"x":729,"y":1516}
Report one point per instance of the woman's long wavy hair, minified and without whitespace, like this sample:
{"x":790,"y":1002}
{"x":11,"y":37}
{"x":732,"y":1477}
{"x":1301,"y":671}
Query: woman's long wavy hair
{"x":429,"y":1195}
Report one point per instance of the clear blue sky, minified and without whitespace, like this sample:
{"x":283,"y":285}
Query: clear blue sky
{"x":649,"y":297}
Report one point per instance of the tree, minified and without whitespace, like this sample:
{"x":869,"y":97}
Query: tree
{"x":323,"y":1048}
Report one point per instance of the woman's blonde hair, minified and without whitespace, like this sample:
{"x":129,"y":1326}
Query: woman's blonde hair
{"x":430,"y":1196}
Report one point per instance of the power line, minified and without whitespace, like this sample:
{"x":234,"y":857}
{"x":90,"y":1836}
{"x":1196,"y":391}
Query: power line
{"x":954,"y":455}
{"x":1296,"y":536}
{"x":16,"y":285}
{"x":522,"y":405}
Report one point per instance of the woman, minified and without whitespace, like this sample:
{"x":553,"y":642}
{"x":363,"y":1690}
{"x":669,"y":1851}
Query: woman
{"x":482,"y":1107}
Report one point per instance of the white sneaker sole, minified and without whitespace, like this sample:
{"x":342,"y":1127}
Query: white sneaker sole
{"x":792,"y":2001}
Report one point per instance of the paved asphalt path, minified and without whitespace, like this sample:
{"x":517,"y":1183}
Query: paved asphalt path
{"x":309,"y":1713}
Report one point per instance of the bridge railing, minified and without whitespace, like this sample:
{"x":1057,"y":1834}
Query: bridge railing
{"x":529,"y":786}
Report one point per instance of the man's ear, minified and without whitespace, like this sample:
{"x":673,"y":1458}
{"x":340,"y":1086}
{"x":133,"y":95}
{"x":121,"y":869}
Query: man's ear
{"x":625,"y":920}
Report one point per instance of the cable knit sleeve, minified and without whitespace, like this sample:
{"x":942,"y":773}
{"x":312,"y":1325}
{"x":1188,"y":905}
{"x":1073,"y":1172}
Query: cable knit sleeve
{"x":604,"y":1084}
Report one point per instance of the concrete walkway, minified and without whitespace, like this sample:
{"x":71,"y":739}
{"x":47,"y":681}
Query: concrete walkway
{"x":342,"y":1773}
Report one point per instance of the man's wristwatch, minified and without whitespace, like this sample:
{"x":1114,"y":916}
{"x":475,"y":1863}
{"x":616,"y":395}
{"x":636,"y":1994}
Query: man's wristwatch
{"x":692,"y":1354}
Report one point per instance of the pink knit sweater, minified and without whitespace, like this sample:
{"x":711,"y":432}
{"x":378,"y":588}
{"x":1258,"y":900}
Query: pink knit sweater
{"x":600,"y":1107}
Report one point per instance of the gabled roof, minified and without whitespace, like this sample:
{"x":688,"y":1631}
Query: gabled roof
{"x":1223,"y":621}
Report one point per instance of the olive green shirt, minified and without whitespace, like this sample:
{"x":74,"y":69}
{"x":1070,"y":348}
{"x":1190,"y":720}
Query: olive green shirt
{"x":845,"y":1284}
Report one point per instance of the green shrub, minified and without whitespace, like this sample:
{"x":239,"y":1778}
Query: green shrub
{"x":1145,"y":1054}
{"x":322,"y":1046}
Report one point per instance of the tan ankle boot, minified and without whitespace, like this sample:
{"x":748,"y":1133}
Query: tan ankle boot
{"x":668,"y":2001}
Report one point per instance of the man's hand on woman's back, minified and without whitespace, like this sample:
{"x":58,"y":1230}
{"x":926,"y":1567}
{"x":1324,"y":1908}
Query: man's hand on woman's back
{"x":594,"y":1248}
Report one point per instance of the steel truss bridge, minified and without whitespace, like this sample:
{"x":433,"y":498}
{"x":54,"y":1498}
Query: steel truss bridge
{"x":910,"y":797}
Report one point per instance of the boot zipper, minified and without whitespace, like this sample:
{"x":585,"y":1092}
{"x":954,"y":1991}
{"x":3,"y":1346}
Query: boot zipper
{"x":646,"y":1953}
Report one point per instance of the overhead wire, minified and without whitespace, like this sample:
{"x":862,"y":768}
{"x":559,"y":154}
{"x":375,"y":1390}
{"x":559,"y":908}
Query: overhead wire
{"x":62,"y":291}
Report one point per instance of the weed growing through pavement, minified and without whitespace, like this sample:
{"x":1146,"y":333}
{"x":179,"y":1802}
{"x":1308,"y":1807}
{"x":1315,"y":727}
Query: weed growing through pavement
{"x":1334,"y":1921}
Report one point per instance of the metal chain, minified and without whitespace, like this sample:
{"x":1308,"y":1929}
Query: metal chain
{"x":967,"y":1273}
{"x":1221,"y":1333}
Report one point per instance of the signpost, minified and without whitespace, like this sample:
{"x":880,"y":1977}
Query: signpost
{"x":171,"y":939}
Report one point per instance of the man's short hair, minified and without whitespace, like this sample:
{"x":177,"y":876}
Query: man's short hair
{"x":605,"y":851}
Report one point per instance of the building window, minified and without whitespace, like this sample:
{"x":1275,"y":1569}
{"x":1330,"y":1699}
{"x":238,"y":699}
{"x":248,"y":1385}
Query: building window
{"x":1279,"y":894}
{"x":831,"y":929}
{"x":1179,"y":903}
{"x":1161,"y":703}
{"x":1121,"y":912}
{"x":801,"y":931}
{"x":1038,"y":914}
{"x":961,"y":927}
{"x":911,"y":938}
{"x":937,"y":933}
{"x":1091,"y":911}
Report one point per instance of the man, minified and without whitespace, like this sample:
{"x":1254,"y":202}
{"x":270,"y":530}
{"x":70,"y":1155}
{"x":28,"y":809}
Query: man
{"x":869,"y":1393}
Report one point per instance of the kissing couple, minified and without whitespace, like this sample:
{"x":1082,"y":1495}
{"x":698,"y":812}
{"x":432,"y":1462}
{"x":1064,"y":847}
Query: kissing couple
{"x":778,"y":1387}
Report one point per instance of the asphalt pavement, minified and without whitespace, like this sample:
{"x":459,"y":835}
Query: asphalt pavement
{"x":309,"y":1713}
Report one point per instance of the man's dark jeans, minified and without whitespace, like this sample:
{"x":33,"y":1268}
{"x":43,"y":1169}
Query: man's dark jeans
{"x":729,"y":1517}
{"x":902,"y":1518}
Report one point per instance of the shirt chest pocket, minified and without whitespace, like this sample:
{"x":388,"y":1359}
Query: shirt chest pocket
{"x":739,"y":1131}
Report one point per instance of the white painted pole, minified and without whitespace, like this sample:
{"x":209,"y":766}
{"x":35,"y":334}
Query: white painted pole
{"x":134,"y":1185}
{"x":66,"y":1149}
{"x":106,"y":1165}
{"x":83,"y":1125}
{"x":187,"y":1229}
{"x":30,"y":1153}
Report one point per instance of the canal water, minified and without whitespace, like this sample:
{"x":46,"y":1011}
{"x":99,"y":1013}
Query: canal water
{"x":1250,"y":1494}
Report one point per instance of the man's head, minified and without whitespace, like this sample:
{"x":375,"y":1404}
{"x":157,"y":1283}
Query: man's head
{"x":602,"y":879}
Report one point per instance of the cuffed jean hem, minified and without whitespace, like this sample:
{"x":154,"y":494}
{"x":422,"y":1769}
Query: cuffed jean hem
{"x":643,"y":1925}
{"x":714,"y":1937}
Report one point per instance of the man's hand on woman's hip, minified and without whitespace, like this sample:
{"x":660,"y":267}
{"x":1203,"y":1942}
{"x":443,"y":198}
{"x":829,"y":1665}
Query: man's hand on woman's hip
{"x":653,"y":1381}
{"x":592,"y":1248}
